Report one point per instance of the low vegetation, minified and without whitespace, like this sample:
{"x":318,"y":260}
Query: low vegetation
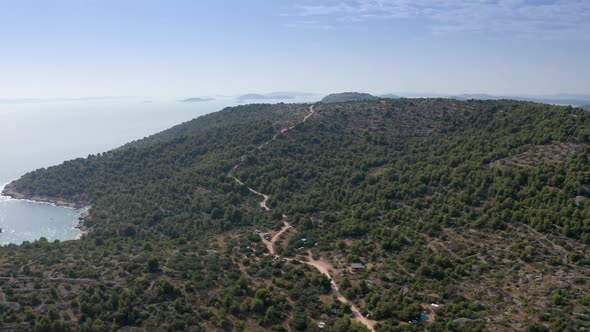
{"x":346,"y":97}
{"x":472,"y":215}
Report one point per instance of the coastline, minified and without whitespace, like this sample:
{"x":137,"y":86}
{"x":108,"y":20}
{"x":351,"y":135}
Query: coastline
{"x":9,"y":191}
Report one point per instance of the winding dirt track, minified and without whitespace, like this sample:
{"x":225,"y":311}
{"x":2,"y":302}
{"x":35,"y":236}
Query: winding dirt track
{"x":271,"y":244}
{"x":264,"y":203}
{"x":324,"y":267}
{"x":321,"y":265}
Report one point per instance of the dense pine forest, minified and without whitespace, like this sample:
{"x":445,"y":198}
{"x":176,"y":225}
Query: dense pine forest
{"x":428,"y":214}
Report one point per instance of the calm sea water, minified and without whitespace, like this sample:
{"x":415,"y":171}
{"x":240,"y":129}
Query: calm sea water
{"x":41,"y":134}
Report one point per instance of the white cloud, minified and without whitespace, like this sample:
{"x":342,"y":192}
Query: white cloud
{"x":552,"y":19}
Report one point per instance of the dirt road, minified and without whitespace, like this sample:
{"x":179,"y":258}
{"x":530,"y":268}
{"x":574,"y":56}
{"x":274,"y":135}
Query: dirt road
{"x":264,"y":203}
{"x":322,"y":266}
{"x":271,"y":244}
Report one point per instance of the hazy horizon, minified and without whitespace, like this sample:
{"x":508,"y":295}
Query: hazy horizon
{"x":181,"y":49}
{"x":179,"y":98}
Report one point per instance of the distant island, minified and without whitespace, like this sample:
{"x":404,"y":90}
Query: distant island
{"x":390,"y":96}
{"x":196,"y":100}
{"x":254,"y":96}
{"x":347,"y":96}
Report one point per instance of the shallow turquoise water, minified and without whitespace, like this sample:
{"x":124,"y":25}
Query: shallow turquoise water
{"x":26,"y":221}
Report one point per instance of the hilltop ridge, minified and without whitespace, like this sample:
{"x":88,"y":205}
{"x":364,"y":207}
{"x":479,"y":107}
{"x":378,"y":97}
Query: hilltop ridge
{"x":346,"y":97}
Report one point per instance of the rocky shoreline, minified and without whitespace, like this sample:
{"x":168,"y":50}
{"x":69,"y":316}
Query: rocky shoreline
{"x":10,"y":191}
{"x":81,"y":226}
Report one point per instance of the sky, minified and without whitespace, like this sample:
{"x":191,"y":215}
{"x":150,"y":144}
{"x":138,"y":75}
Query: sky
{"x":174,"y":48}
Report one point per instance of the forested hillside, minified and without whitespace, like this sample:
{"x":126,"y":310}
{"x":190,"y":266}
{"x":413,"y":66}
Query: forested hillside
{"x":430,"y":214}
{"x":346,"y":97}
